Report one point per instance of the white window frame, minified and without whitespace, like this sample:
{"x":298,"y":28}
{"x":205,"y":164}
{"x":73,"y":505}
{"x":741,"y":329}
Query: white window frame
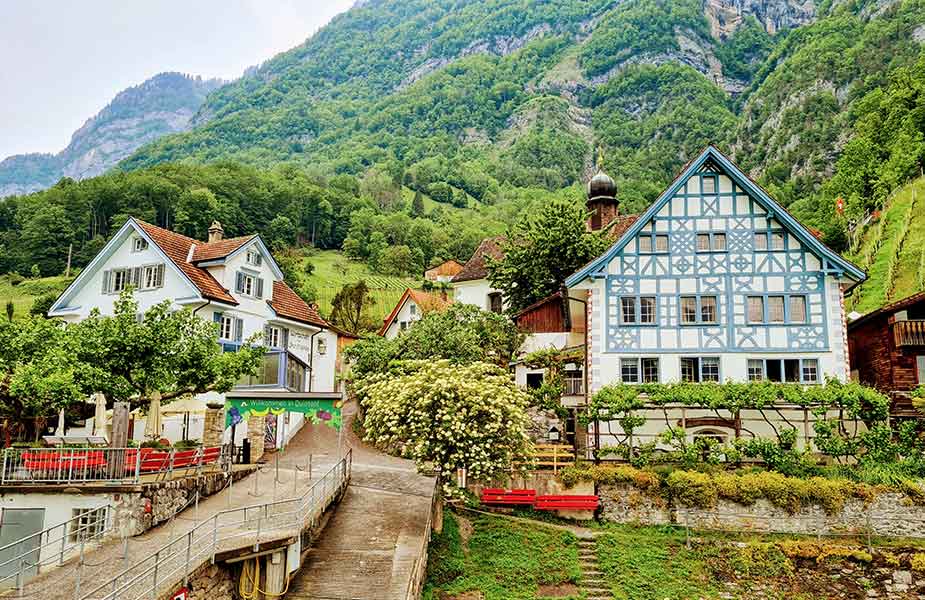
{"x":252,"y":257}
{"x":699,"y":370}
{"x":698,"y":305}
{"x":766,"y":309}
{"x":226,"y":328}
{"x":152,"y":277}
{"x":139,"y":244}
{"x":124,"y":278}
{"x":275,"y":337}
{"x":802,"y":367}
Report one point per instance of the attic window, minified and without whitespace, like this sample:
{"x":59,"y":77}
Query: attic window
{"x":253,"y":258}
{"x":139,"y":244}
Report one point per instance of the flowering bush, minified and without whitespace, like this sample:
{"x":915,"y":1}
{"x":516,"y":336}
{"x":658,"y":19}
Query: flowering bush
{"x":454,"y":416}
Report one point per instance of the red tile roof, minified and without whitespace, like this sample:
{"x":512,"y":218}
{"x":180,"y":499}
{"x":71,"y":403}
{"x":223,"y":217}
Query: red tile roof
{"x":477,"y":266}
{"x":447,"y":268}
{"x":425,"y":300}
{"x":289,"y":305}
{"x":177,"y":249}
{"x":220,"y":249}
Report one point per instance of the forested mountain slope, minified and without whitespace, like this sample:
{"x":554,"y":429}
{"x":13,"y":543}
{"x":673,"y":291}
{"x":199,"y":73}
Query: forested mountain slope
{"x":163,"y":104}
{"x":405,"y":130}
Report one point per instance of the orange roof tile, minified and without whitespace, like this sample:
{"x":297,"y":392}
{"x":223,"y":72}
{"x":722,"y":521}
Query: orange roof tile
{"x":477,"y":266}
{"x":177,"y":249}
{"x":290,"y":305}
{"x":425,"y":300}
{"x":220,"y":249}
{"x":448,"y":268}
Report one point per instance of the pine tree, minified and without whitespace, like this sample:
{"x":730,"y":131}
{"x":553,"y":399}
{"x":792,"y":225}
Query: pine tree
{"x":417,"y":205}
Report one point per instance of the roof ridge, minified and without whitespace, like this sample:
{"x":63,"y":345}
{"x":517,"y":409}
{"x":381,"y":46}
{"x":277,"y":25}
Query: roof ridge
{"x":169,"y":231}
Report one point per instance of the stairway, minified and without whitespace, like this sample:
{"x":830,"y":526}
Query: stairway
{"x":593,"y":584}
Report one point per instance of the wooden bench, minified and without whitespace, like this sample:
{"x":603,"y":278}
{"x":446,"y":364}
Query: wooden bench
{"x":566,"y":503}
{"x":501,"y":497}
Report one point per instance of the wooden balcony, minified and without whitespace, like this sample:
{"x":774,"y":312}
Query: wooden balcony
{"x":909,"y":333}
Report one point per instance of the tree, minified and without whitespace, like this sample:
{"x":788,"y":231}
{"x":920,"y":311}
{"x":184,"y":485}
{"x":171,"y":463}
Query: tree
{"x":171,"y":352}
{"x":196,"y":209}
{"x":10,"y":309}
{"x":454,"y":416}
{"x":460,"y":333}
{"x":417,"y":204}
{"x":45,"y":237}
{"x":541,"y":252}
{"x":39,"y":374}
{"x":397,"y":261}
{"x":281,"y":232}
{"x":348,"y":309}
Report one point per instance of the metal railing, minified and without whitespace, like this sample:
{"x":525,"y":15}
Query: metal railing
{"x":99,"y":465}
{"x":24,"y":558}
{"x":174,"y":562}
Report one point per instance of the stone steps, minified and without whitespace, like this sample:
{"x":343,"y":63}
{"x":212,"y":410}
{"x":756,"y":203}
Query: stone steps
{"x":593,"y":584}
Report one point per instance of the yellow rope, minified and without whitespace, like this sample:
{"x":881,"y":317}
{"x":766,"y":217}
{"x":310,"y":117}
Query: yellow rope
{"x":255,"y":591}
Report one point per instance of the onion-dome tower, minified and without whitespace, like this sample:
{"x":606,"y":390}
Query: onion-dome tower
{"x":602,"y":199}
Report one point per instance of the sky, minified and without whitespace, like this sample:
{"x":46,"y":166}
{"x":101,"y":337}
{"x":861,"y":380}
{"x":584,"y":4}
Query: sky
{"x":62,"y":61}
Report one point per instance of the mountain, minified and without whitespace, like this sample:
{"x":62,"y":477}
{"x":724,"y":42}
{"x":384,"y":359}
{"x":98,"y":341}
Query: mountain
{"x":163,"y":104}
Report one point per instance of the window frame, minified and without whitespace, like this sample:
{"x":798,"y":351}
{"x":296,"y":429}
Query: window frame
{"x":711,"y":242}
{"x":230,"y":320}
{"x":699,"y":370}
{"x":714,"y":179}
{"x":153,"y":272}
{"x":766,"y":308}
{"x":253,"y":258}
{"x":642,"y":365}
{"x":139,"y":244}
{"x":803,"y":363}
{"x":653,"y":237}
{"x":698,"y":303}
{"x":637,"y":301}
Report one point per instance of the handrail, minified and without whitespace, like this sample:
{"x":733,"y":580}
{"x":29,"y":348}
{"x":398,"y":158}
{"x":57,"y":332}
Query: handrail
{"x":62,"y":541}
{"x":909,"y":333}
{"x":144,"y":578}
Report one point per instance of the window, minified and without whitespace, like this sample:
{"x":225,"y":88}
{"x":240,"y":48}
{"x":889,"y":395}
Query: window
{"x":711,"y":242}
{"x":495,"y":303}
{"x":227,"y":328}
{"x":249,"y":285}
{"x":87,"y":524}
{"x":637,"y":310}
{"x":647,"y":309}
{"x":139,"y":244}
{"x":653,"y":242}
{"x":268,"y":373}
{"x":777,"y":240}
{"x":697,"y":369}
{"x":253,"y":258}
{"x":797,"y":309}
{"x":792,"y":370}
{"x":295,"y":374}
{"x":920,"y":368}
{"x":534,"y":380}
{"x":403,"y":325}
{"x":755,"y":370}
{"x":413,"y":309}
{"x":276,"y":337}
{"x":698,"y":310}
{"x":709,"y":184}
{"x":116,"y":280}
{"x":755,"y":309}
{"x":761,"y":241}
{"x":152,"y":277}
{"x":639,"y":370}
{"x":776,"y":309}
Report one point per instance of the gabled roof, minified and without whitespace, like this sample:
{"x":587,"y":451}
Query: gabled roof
{"x":831,"y":260}
{"x":448,"y":268}
{"x":889,"y":309}
{"x":177,"y":248}
{"x":289,"y":305}
{"x":219,"y":249}
{"x":425,"y":300}
{"x":477,"y":266}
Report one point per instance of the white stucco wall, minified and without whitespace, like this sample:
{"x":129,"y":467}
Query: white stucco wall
{"x":473,"y":292}
{"x":404,"y":315}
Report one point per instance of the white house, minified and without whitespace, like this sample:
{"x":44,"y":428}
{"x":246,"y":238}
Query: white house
{"x":237,"y":284}
{"x":410,"y":307}
{"x":471,"y":286}
{"x":715,"y":281}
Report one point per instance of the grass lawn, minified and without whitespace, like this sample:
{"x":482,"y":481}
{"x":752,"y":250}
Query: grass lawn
{"x":333,"y":270}
{"x":26,"y":291}
{"x":501,"y":559}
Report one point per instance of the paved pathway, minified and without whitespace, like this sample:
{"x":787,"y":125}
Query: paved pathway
{"x":376,"y":539}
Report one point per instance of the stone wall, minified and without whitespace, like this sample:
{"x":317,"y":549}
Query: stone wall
{"x":213,"y":582}
{"x":256,"y":429}
{"x":136,"y":512}
{"x":213,"y":427}
{"x":889,"y":514}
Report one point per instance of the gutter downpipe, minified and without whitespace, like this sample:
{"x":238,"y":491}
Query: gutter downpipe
{"x":587,"y":374}
{"x":311,"y":357}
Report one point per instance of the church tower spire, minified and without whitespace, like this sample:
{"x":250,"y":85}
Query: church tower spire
{"x":602,"y":200}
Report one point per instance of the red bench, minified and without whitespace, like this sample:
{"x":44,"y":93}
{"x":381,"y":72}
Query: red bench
{"x":566,"y":503}
{"x":501,"y":497}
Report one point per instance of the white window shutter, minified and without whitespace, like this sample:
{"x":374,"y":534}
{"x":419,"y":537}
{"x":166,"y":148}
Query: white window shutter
{"x":260,"y":288}
{"x":106,"y":279}
{"x":266,"y":335}
{"x":160,"y":276}
{"x":238,"y":330}
{"x":136,"y":277}
{"x":239,"y":282}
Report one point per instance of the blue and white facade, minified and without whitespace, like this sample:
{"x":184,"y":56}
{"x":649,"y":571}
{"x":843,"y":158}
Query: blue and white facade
{"x":715,"y":282}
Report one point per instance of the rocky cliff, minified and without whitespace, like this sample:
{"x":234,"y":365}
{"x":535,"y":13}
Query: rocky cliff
{"x":161,"y":105}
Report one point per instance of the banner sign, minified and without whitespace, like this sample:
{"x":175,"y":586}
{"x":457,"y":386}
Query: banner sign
{"x":326,"y":412}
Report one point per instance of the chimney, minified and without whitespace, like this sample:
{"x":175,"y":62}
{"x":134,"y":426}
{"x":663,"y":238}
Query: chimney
{"x":216,"y":232}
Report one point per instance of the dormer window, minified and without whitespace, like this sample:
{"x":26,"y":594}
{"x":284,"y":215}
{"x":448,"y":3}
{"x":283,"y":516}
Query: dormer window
{"x":139,"y":244}
{"x":248,"y":285}
{"x":253,"y":258}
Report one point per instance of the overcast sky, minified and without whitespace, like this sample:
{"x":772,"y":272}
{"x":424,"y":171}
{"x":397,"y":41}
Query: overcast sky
{"x":61,"y":61}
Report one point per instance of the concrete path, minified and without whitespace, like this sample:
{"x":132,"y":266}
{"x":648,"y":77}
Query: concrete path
{"x":103,"y":563}
{"x":374,"y":547}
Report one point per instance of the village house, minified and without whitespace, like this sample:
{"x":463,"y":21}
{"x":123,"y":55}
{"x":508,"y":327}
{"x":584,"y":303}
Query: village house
{"x":237,"y":284}
{"x":887,"y":350}
{"x":471,"y":285}
{"x":410,"y":307}
{"x":444,"y":272}
{"x":715,"y":281}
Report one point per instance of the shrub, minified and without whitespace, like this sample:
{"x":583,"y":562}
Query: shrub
{"x":610,"y":475}
{"x":917,"y":562}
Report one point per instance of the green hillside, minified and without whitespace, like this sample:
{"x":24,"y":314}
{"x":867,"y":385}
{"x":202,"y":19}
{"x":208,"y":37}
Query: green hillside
{"x":892,"y":250}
